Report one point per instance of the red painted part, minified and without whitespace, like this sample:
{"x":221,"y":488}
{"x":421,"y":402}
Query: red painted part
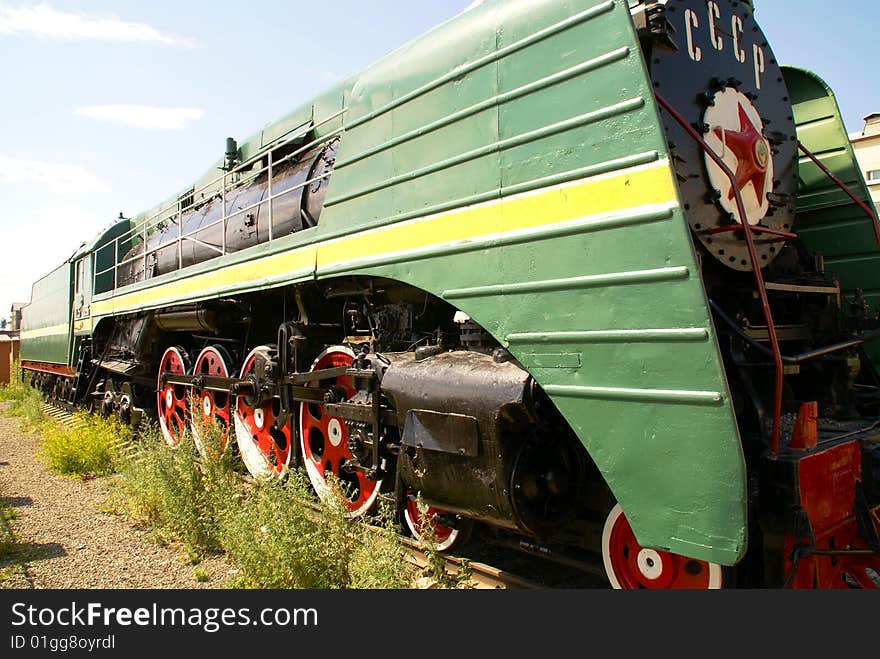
{"x":744,"y":145}
{"x":806,"y":428}
{"x":635,"y":568}
{"x":753,"y":257}
{"x":171,"y":399}
{"x":875,"y":222}
{"x":829,"y":572}
{"x":217,"y":403}
{"x":440,"y":533}
{"x":324,"y":440}
{"x":52,"y":369}
{"x":276,"y":449}
{"x":828,"y":481}
{"x":782,"y":235}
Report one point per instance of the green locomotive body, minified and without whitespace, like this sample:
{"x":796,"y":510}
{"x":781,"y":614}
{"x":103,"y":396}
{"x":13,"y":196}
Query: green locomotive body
{"x":46,"y":323}
{"x":491,"y":229}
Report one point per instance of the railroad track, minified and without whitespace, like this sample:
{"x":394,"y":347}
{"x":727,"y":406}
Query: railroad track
{"x":478,"y":575}
{"x":60,"y":415}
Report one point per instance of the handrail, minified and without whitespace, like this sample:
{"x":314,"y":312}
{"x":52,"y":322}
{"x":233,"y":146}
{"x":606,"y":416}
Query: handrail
{"x":870,"y":213}
{"x":747,"y":229}
{"x":141,"y":228}
{"x":188,"y":236}
{"x":247,"y":163}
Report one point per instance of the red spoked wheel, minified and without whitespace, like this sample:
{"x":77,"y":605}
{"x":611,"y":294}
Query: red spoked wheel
{"x":264,"y":445}
{"x":171,"y":399}
{"x":327,"y":446}
{"x":630,"y":566}
{"x":423,"y":526}
{"x":211,"y":407}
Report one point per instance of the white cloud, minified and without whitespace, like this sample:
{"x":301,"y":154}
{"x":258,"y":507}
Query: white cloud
{"x":60,"y":178}
{"x":47,"y":23}
{"x":61,"y":228}
{"x":143,"y":116}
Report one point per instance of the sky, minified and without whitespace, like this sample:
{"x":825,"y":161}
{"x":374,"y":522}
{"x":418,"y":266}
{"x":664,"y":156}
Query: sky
{"x":110,"y":106}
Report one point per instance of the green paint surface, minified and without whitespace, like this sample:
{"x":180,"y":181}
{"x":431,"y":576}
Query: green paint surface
{"x":829,"y":222}
{"x":49,"y":307}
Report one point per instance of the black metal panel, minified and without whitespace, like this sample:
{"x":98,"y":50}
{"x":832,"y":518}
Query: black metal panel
{"x":453,"y":401}
{"x":458,"y":434}
{"x":693,"y":56}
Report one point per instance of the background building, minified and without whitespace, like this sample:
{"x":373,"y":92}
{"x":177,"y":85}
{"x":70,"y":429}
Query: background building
{"x":9,"y":343}
{"x":15,"y":316}
{"x":867,"y":147}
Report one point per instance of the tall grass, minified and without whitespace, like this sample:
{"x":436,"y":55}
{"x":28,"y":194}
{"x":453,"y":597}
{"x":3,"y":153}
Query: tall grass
{"x":88,"y":447}
{"x":15,"y":389}
{"x":282,"y":539}
{"x":276,"y":533}
{"x":173,"y":491}
{"x":25,"y":402}
{"x":84,"y":448}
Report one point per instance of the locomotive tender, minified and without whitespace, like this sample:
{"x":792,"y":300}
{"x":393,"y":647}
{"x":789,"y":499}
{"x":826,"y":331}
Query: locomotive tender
{"x":568,"y":269}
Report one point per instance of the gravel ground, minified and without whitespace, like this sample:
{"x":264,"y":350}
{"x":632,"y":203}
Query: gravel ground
{"x":69,"y":542}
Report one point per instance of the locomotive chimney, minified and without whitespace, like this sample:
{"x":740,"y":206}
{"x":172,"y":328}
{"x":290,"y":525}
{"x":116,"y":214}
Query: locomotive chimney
{"x":231,"y":153}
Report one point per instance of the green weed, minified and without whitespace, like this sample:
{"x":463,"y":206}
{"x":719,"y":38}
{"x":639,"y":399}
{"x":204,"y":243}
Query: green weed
{"x":173,"y":490}
{"x":277,"y":534}
{"x":435,"y":572}
{"x":280,"y":539}
{"x":88,"y":447}
{"x":16,"y":389}
{"x":24,"y":403}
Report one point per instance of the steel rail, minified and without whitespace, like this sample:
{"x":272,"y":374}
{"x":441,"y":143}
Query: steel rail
{"x":482,"y":575}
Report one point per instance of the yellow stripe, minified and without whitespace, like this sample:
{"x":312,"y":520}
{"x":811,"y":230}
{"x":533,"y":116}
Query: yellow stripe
{"x":84,"y":325}
{"x":249,"y":273}
{"x":602,"y":195}
{"x":45,"y":331}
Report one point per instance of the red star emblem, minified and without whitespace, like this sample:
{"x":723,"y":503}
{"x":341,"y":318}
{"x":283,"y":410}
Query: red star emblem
{"x":752,"y":154}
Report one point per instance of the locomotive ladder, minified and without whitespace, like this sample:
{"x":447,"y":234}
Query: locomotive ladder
{"x":748,"y":232}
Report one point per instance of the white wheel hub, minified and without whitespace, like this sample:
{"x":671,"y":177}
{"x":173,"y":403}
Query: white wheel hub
{"x":259,"y":419}
{"x":169,"y":397}
{"x":334,"y":430}
{"x":206,"y":405}
{"x":650,"y":564}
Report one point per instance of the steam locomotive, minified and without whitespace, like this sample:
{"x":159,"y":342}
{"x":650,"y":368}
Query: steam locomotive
{"x":593,"y":274}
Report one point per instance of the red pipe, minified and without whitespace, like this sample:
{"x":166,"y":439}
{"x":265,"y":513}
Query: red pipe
{"x":739,"y":227}
{"x":870,"y":213}
{"x":753,"y":256}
